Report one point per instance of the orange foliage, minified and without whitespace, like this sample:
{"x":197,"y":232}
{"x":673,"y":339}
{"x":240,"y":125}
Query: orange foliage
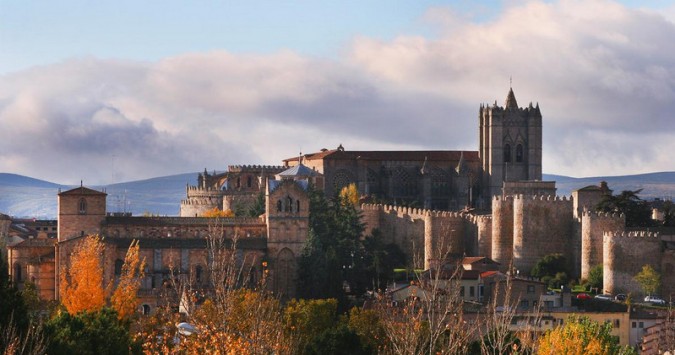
{"x":350,"y":194}
{"x":215,"y":212}
{"x":82,"y":283}
{"x":124,"y":299}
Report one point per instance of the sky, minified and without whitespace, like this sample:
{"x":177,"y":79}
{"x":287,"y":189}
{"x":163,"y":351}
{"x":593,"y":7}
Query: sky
{"x":108,"y":92}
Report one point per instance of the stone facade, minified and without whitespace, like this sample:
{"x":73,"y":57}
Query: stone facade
{"x":593,"y":227}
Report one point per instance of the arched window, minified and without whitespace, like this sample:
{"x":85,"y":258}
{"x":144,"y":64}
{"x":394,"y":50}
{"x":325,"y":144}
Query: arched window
{"x":507,"y":153}
{"x":238,"y":182}
{"x":119,"y":264}
{"x":146,"y":310}
{"x":83,"y":206}
{"x":297,"y":206}
{"x":289,"y":204}
{"x":519,"y":153}
{"x":279,"y":206}
{"x":285,"y":272}
{"x":249,"y":181}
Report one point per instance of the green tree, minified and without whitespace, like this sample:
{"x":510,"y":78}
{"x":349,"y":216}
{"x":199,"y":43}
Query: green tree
{"x":595,"y":277}
{"x":258,"y":206}
{"x":332,"y":255}
{"x":380,"y":259}
{"x":339,"y":340}
{"x":649,"y":280}
{"x":89,"y":333}
{"x":309,"y":318}
{"x":368,"y":325}
{"x":668,"y":214}
{"x":14,"y":314}
{"x":637,"y":212}
{"x":550,"y":265}
{"x":580,"y":335}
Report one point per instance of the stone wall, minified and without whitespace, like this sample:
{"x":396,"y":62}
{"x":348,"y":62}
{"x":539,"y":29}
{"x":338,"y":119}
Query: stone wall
{"x":624,"y":255}
{"x":542,"y":225}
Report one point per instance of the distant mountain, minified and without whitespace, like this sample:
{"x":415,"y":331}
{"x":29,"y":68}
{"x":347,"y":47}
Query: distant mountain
{"x":22,"y":196}
{"x":653,"y":185}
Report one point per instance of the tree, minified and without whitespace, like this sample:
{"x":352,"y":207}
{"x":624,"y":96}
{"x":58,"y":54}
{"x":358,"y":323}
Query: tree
{"x":258,"y":206}
{"x":124,"y":300}
{"x":98,"y":332}
{"x":338,"y":340}
{"x":595,"y":277}
{"x":217,"y":213}
{"x":649,"y":279}
{"x":82,"y":282}
{"x":581,"y":335}
{"x":550,"y":265}
{"x":350,"y":194}
{"x":380,"y":259}
{"x":309,"y":318}
{"x":368,"y":326}
{"x":637,"y":212}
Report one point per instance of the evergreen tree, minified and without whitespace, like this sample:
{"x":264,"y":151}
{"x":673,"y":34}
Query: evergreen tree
{"x":637,"y":212}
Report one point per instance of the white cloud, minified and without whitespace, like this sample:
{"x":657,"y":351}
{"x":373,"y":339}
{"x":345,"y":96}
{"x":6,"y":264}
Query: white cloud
{"x":602,"y":73}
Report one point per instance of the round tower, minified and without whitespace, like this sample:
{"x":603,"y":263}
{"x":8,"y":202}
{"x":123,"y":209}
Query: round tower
{"x":593,"y":226}
{"x":502,"y":230}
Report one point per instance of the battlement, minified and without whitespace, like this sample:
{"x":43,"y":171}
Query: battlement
{"x":542,"y":198}
{"x":502,"y":198}
{"x":599,"y":215}
{"x":633,"y":234}
{"x":413,"y":212}
{"x":255,"y":168}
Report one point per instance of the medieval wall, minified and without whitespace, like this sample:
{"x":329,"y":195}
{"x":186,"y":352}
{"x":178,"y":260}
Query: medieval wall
{"x":542,"y":225}
{"x":200,"y":200}
{"x":593,"y":226}
{"x":624,"y":254}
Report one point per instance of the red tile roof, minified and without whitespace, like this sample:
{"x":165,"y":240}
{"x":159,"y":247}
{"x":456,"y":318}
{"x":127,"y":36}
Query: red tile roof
{"x":402,"y":155}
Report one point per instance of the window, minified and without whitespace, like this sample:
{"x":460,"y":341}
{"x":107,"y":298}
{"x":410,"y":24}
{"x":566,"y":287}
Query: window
{"x":507,"y":153}
{"x":472,"y":292}
{"x":289,"y":204}
{"x":279,"y":206}
{"x":634,"y":324}
{"x":616,"y":323}
{"x":297,"y":206}
{"x":642,"y":324}
{"x":249,"y":181}
{"x":83,"y":206}
{"x":198,"y":274}
{"x":17,"y":273}
{"x":524,"y":303}
{"x":461,"y":291}
{"x":146,"y":310}
{"x":519,"y":153}
{"x":530,"y":288}
{"x":238,"y":182}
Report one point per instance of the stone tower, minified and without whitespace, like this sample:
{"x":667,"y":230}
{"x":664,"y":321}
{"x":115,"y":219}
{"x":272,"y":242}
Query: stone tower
{"x":80,"y":211}
{"x":510,"y":144}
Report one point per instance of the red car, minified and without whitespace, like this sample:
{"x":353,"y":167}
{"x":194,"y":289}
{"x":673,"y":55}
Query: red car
{"x":583,"y":296}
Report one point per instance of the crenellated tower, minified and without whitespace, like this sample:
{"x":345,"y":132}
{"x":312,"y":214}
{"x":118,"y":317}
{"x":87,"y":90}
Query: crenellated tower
{"x":510,"y":144}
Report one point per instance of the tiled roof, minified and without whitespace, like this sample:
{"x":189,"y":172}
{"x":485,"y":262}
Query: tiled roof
{"x":298,"y":170}
{"x":82,"y":191}
{"x":400,"y":155}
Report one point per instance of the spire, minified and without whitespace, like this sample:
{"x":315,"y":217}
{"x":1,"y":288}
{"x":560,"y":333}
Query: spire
{"x":511,"y":100}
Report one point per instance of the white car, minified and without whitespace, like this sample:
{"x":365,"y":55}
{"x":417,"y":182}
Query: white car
{"x":655,"y":300}
{"x":604,"y":297}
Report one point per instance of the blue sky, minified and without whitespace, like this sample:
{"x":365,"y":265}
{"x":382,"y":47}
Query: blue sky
{"x":173,"y":86}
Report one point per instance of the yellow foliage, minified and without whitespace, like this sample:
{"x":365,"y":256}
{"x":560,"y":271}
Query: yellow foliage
{"x":82,"y":283}
{"x":124,"y":300}
{"x":581,"y":335}
{"x":216,"y":212}
{"x":350,"y":194}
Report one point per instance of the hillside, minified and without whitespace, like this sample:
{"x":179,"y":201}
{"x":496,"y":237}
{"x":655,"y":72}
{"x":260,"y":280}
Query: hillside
{"x":23,"y":196}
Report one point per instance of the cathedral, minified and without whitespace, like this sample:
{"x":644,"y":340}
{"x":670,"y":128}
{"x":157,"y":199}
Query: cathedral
{"x":490,"y":202}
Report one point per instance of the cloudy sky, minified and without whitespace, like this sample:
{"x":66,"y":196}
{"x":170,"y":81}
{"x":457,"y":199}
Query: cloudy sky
{"x":130,"y":90}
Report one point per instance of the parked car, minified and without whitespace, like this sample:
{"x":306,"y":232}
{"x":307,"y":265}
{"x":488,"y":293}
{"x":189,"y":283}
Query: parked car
{"x":583,"y":296}
{"x":620,"y":297}
{"x":604,"y":297}
{"x":655,"y":300}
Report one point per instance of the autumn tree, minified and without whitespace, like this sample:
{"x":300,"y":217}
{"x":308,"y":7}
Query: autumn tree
{"x":82,"y":282}
{"x":350,"y":194}
{"x":216,"y":213}
{"x":649,"y":279}
{"x":580,"y":335}
{"x":124,"y":300}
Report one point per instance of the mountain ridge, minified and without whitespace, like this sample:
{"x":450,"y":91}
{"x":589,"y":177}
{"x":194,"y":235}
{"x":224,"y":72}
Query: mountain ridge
{"x":24,"y":196}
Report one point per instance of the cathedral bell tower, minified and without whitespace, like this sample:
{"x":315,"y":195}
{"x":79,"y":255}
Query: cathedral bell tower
{"x":510,"y":144}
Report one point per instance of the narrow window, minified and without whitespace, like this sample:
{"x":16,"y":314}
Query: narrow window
{"x":279,"y":206}
{"x":461,"y":291}
{"x":472,"y":291}
{"x":519,"y":153}
{"x":507,"y":153}
{"x":119,"y":264}
{"x":249,"y":181}
{"x":530,"y":288}
{"x":297,"y":206}
{"x":17,"y":273}
{"x":238,"y":182}
{"x":83,"y":206}
{"x":198,"y":274}
{"x":146,"y":310}
{"x":289,"y":204}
